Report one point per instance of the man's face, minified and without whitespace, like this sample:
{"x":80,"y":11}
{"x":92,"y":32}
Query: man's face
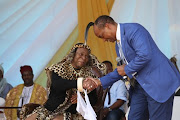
{"x":105,"y":33}
{"x":27,"y":77}
{"x":109,"y":68}
{"x":81,"y":58}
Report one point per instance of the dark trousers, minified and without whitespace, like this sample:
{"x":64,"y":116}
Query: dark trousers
{"x":116,"y":114}
{"x":143,"y":107}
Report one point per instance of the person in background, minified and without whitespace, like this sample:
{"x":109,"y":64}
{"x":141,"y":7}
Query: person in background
{"x":28,"y":92}
{"x":5,"y":87}
{"x":116,"y":97}
{"x":96,"y":71}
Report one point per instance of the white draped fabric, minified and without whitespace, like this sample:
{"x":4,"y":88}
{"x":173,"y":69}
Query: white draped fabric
{"x":31,"y":31}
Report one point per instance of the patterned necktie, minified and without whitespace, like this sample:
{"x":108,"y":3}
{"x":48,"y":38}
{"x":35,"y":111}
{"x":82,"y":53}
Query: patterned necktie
{"x":109,"y":96}
{"x":123,"y":60}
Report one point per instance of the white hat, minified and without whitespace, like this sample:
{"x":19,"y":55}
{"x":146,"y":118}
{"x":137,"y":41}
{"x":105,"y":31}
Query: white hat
{"x":1,"y":68}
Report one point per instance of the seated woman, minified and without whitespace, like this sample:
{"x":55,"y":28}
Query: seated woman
{"x":62,"y":84}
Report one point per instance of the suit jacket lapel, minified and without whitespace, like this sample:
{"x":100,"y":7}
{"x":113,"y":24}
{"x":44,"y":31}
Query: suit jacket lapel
{"x":117,"y":50}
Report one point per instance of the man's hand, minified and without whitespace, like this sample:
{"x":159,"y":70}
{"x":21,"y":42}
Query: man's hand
{"x":91,"y":83}
{"x":105,"y":111}
{"x":120,"y":70}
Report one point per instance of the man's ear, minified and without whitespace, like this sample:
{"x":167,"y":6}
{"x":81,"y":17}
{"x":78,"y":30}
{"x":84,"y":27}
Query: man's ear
{"x":108,"y":25}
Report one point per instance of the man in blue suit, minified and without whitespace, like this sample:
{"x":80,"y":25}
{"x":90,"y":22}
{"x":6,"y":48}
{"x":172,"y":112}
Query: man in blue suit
{"x":156,"y":77}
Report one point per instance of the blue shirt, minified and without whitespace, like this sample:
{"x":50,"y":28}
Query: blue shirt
{"x":117,"y":91}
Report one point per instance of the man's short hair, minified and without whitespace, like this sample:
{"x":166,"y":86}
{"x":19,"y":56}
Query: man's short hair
{"x":102,"y":20}
{"x":106,"y":61}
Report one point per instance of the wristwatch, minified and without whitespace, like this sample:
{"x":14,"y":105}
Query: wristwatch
{"x":109,"y":109}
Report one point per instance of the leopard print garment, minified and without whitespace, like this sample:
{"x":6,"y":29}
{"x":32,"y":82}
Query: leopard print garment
{"x":65,"y":70}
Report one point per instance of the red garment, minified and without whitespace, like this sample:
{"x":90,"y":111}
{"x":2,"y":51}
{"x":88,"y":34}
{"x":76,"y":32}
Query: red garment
{"x":25,"y":68}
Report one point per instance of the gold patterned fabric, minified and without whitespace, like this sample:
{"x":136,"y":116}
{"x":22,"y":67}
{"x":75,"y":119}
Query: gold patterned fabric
{"x":38,"y":96}
{"x":65,"y":70}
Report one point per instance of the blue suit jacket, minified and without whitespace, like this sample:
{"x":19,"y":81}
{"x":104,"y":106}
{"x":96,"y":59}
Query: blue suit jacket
{"x":156,"y":74}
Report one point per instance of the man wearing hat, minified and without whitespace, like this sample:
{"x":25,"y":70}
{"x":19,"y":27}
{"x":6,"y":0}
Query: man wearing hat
{"x":29,"y":92}
{"x":4,"y":86}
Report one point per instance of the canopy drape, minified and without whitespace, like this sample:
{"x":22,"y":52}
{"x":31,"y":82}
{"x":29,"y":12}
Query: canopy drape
{"x":41,"y":32}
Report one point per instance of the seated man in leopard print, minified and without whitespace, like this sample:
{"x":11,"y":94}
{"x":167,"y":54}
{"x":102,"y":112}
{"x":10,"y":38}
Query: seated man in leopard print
{"x":62,"y":85}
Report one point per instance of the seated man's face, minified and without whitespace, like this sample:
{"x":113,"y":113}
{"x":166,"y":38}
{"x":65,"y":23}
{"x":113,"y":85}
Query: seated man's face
{"x":27,"y":77}
{"x":81,"y":58}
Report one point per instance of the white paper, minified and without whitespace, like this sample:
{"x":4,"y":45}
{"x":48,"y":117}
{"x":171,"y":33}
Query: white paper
{"x":84,"y":107}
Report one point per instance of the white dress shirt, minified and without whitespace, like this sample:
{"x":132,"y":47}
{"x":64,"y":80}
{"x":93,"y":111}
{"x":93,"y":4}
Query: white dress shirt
{"x":26,"y":95}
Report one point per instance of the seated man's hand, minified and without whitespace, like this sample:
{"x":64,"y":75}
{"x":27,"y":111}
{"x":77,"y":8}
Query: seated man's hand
{"x":74,"y":99}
